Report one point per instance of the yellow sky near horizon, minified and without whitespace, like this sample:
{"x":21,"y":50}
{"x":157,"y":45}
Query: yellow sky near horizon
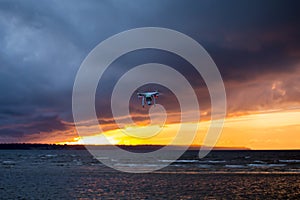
{"x":264,"y":130}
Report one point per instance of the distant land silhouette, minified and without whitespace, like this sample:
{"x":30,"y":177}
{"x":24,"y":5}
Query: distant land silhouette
{"x":37,"y":146}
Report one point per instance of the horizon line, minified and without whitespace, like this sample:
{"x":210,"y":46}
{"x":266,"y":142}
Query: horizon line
{"x":193,"y":147}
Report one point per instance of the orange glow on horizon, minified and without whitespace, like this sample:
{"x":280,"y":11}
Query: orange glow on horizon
{"x":268,"y":130}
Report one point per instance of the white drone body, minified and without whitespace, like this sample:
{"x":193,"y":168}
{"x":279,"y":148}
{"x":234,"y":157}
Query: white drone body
{"x":148,"y":97}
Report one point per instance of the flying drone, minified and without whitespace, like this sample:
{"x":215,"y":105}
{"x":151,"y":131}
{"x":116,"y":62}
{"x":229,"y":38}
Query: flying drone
{"x":148,"y":97}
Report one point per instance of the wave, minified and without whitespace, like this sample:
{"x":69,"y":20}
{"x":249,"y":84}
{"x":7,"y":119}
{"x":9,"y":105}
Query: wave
{"x":289,"y":161}
{"x":265,"y":165}
{"x":235,"y":166}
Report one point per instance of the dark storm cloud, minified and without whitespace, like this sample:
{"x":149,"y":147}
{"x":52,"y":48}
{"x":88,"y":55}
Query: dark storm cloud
{"x":42,"y":44}
{"x":245,"y":39}
{"x":20,"y":126}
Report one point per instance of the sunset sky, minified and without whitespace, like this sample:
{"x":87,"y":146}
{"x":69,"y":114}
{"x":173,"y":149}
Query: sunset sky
{"x":255,"y":44}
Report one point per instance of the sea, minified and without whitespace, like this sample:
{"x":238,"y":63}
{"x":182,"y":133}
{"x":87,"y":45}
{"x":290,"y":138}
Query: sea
{"x":76,"y":174}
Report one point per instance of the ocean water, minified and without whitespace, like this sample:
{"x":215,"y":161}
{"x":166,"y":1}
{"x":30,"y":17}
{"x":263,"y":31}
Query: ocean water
{"x":75,"y":174}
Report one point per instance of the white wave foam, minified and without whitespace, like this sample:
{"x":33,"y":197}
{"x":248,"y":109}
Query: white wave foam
{"x":266,"y":165}
{"x":234,"y":166}
{"x":290,"y":161}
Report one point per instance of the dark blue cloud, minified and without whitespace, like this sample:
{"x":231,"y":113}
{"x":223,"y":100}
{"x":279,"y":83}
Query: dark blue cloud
{"x":42,"y":44}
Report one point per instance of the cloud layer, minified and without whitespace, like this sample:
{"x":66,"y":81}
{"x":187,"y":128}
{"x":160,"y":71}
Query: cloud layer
{"x":255,"y":44}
